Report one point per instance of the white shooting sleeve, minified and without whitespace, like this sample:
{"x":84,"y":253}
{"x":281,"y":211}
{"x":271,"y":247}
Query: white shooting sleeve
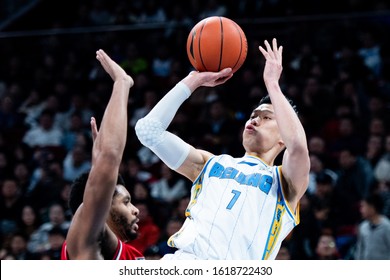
{"x":151,"y":130}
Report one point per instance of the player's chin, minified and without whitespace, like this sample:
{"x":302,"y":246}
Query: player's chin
{"x":134,"y":235}
{"x":134,"y":229}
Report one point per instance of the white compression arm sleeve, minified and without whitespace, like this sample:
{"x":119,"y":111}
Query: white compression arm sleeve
{"x":151,"y":130}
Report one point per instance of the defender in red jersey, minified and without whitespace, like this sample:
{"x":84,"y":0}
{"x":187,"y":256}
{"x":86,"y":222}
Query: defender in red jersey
{"x":123,"y":252}
{"x":103,"y":217}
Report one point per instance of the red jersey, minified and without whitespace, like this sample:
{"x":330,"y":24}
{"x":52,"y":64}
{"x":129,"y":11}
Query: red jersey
{"x":123,"y":252}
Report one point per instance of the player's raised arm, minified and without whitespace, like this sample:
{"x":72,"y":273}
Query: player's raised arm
{"x":296,"y":163}
{"x":88,"y":223}
{"x":172,"y":150}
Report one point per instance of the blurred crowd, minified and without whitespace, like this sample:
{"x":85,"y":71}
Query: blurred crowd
{"x":337,"y":71}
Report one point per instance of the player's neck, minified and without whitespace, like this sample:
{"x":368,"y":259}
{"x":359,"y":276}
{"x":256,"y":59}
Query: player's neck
{"x":264,"y":157}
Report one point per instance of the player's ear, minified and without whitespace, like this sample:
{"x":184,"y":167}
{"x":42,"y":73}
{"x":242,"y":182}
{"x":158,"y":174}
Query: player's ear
{"x":281,"y":144}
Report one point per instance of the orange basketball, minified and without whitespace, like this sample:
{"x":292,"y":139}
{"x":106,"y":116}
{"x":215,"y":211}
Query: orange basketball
{"x":215,"y":43}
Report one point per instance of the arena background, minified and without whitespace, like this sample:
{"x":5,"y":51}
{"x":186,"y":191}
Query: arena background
{"x":336,"y":68}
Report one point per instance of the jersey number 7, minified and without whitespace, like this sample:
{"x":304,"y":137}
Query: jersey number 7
{"x":236,"y":194}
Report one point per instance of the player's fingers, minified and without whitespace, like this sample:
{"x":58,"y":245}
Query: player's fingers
{"x":94,"y":129}
{"x":99,"y":53}
{"x":280,"y":51}
{"x":267,"y":46}
{"x":274,"y":45}
{"x":225,"y":71}
{"x":223,"y":79}
{"x":263,"y":51}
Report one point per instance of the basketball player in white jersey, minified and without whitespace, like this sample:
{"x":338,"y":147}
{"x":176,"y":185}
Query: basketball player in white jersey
{"x":240,"y":208}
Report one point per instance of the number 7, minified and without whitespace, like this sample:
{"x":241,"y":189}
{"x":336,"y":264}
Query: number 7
{"x":234,"y":199}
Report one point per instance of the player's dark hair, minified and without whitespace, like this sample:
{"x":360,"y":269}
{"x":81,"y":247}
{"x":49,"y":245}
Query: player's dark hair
{"x":78,"y":188}
{"x":267,"y":100}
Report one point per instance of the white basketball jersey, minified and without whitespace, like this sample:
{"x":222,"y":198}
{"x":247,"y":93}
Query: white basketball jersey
{"x":237,"y":211}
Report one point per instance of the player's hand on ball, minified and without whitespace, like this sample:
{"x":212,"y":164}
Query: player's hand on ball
{"x":212,"y":79}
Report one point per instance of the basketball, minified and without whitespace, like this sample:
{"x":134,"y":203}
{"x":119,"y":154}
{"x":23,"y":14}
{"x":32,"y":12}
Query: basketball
{"x":215,"y":43}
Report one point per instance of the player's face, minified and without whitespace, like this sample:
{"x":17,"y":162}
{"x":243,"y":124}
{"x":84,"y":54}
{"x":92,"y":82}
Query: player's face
{"x":124,"y":215}
{"x":261,"y":132}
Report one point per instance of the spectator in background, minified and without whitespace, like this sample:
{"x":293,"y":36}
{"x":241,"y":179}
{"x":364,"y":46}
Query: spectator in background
{"x":60,"y":118}
{"x":45,"y":134}
{"x":348,"y":64}
{"x":382,"y":168}
{"x":149,"y":100}
{"x":171,"y":227}
{"x":11,"y":205}
{"x":64,"y":199}
{"x":10,"y":119}
{"x":29,"y":221}
{"x":32,"y":107}
{"x":318,"y":145}
{"x":382,"y":176}
{"x":370,"y":52}
{"x":349,"y":91}
{"x":326,"y":248}
{"x":377,"y":127}
{"x":76,"y":163}
{"x":79,"y":106}
{"x":40,"y":162}
{"x":377,"y":108}
{"x":147,"y":158}
{"x":140,"y":192}
{"x":355,"y":180}
{"x":348,"y":137}
{"x":374,"y":149}
{"x":134,"y":172}
{"x":46,"y":184}
{"x":331,"y":131}
{"x":75,"y":130}
{"x":217,"y":128}
{"x":317,"y":167}
{"x":39,"y":240}
{"x":323,"y":201}
{"x":180,"y":208}
{"x":170,"y":187}
{"x":316,"y":101}
{"x":22,"y":153}
{"x":22,"y":175}
{"x":384,"y":191}
{"x":373,"y":240}
{"x":17,"y":248}
{"x":56,"y":237}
